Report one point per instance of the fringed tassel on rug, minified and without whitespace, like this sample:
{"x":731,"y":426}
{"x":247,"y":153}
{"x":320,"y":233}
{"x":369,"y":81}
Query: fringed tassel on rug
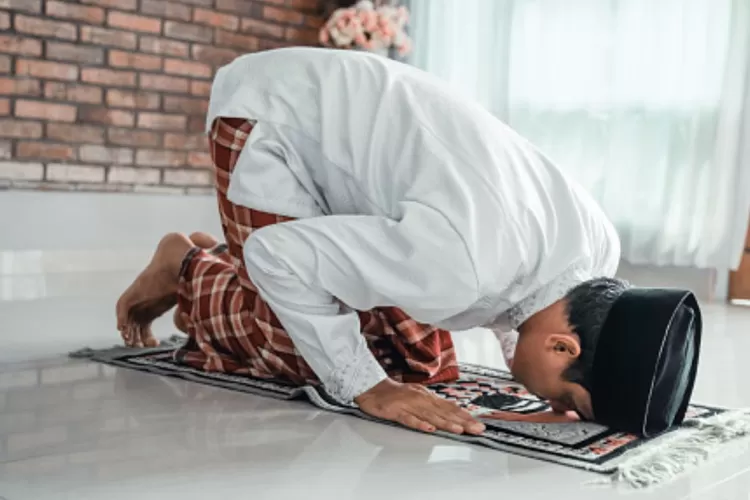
{"x":674,"y":454}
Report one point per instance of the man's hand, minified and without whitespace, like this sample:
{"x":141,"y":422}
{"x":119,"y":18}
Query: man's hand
{"x":414,"y":406}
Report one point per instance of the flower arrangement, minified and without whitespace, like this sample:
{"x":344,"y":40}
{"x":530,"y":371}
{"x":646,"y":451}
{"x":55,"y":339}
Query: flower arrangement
{"x":365,"y":27}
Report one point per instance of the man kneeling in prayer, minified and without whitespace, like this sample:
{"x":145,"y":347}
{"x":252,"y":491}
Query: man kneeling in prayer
{"x":367,"y":210}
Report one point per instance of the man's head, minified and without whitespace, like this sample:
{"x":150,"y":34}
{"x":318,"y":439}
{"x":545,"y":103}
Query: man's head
{"x":555,"y":351}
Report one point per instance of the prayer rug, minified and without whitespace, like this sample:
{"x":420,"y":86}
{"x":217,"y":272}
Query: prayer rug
{"x":584,"y":445}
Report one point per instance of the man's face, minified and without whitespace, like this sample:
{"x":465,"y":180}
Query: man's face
{"x":539,"y":363}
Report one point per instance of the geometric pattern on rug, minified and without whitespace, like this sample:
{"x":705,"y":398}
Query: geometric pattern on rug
{"x":583,"y":445}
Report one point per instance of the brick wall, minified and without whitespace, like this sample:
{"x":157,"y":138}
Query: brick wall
{"x":111,"y":94}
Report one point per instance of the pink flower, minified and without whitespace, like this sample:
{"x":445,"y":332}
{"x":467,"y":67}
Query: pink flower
{"x":404,"y":48}
{"x":369,"y":20}
{"x":360,"y":39}
{"x":324,"y":37}
{"x":403,"y":14}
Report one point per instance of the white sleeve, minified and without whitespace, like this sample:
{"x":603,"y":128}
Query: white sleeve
{"x":316,"y":273}
{"x":508,"y":340}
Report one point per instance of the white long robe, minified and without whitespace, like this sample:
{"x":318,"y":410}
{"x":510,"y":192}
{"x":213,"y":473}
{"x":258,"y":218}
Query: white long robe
{"x":406,"y":195}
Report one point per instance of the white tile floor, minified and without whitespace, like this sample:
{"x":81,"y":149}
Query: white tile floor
{"x":71,"y":430}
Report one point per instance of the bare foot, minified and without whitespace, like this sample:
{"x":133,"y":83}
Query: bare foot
{"x":153,"y":292}
{"x":203,"y":240}
{"x":179,"y":323}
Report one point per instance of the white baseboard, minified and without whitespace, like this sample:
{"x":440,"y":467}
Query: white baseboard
{"x":74,"y":232}
{"x":74,"y":221}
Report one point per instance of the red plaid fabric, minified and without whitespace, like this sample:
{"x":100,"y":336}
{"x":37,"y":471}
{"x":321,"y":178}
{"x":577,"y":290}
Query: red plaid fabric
{"x":232,"y":330}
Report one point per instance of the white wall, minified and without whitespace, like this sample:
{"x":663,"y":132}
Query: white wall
{"x":59,"y":232}
{"x":79,"y":232}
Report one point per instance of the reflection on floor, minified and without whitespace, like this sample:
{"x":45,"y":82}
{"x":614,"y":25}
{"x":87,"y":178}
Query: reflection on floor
{"x":73,"y":430}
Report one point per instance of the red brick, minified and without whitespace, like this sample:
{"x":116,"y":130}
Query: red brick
{"x":244,"y":43}
{"x":196,"y":124}
{"x":199,"y":3}
{"x":187,"y":177}
{"x":110,"y":38}
{"x":238,"y":6}
{"x":200,"y":159}
{"x":134,"y":138}
{"x":73,"y":92}
{"x":20,"y":86}
{"x":33,"y":6}
{"x":129,"y":99}
{"x":200,"y":88}
{"x":216,"y":19}
{"x":165,"y":83}
{"x":308,"y":5}
{"x":270,"y":44}
{"x":90,"y":153}
{"x":213,"y":56}
{"x":46,"y":69}
{"x":261,"y":28}
{"x":74,"y":173}
{"x":191,"y":32}
{"x":285,"y":16}
{"x":22,"y":171}
{"x":316,"y":22}
{"x":187,"y":68}
{"x":166,"y":47}
{"x":11,"y":44}
{"x":144,"y":62}
{"x":133,"y":22}
{"x":160,"y":158}
{"x":169,"y":10}
{"x":4,"y":107}
{"x":161,"y":121}
{"x":4,"y":21}
{"x":20,"y":129}
{"x":45,"y":28}
{"x":90,"y":15}
{"x":5,"y":64}
{"x":108,"y":77}
{"x":185,"y":141}
{"x":186,"y":105}
{"x":75,"y":133}
{"x":45,"y":111}
{"x":115,"y":4}
{"x":107,"y":116}
{"x":129,"y":175}
{"x":75,"y":53}
{"x":45,"y":151}
{"x":302,"y":36}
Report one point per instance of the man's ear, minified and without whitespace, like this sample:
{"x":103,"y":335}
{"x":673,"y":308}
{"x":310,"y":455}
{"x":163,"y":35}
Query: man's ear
{"x":564,"y":344}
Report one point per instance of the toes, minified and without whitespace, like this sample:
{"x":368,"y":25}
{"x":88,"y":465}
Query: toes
{"x":138,"y":336}
{"x":121,"y":310}
{"x":137,"y":340}
{"x":127,"y":335}
{"x":147,"y":337}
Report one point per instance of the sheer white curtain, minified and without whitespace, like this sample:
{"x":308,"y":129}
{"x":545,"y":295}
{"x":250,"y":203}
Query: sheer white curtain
{"x":647,"y":104}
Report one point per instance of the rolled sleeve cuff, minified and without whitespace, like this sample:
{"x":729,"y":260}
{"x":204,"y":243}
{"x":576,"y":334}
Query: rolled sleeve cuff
{"x":357,"y":377}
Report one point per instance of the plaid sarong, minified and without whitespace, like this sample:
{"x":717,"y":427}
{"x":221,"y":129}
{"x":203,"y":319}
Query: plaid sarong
{"x":231,"y":329}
